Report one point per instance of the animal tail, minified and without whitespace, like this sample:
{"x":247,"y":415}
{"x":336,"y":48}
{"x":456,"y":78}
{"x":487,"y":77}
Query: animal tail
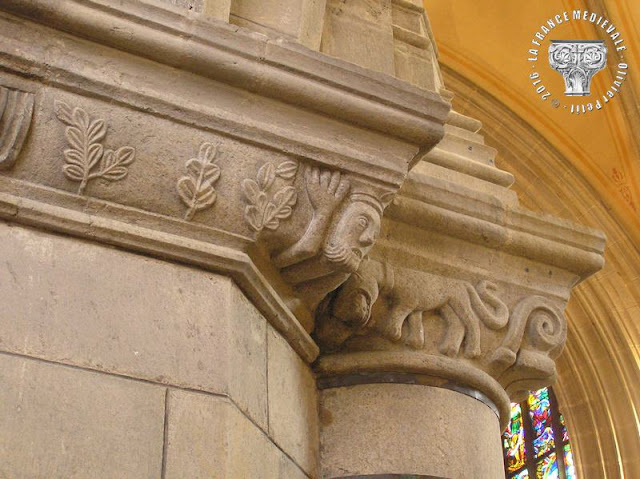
{"x":496,"y":314}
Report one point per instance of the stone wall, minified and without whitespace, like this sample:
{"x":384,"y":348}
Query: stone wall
{"x":118,"y":365}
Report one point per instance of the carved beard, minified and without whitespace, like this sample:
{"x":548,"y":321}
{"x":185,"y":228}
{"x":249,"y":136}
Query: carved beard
{"x":345,"y":258}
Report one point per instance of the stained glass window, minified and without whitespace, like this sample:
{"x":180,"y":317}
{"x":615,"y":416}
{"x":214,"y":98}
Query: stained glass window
{"x":536,"y":442}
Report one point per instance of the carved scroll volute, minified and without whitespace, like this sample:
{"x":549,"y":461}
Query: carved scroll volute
{"x":526,"y":358}
{"x":16,"y":111}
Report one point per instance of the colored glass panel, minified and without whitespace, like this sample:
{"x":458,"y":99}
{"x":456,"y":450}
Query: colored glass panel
{"x":565,"y":434}
{"x":539,"y":410}
{"x":547,"y":467}
{"x":513,"y":441}
{"x":544,"y":442}
{"x":568,"y":461}
{"x":550,"y":440}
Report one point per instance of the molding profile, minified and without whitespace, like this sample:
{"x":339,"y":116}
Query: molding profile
{"x":274,"y":68}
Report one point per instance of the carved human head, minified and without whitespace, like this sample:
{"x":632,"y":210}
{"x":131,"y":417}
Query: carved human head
{"x":354,"y":231}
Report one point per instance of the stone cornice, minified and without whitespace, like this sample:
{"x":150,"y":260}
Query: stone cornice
{"x":431,"y":204}
{"x":273,"y":68}
{"x":133,"y":229}
{"x":230,"y":150}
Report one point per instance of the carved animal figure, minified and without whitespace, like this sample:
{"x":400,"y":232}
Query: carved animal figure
{"x":383,"y":298}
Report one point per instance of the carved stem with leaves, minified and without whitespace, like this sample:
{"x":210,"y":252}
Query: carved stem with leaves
{"x":196,"y":190}
{"x":86,"y":159}
{"x":265,"y":210}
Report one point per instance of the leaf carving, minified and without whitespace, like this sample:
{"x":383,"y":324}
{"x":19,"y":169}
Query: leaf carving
{"x":63,"y":112}
{"x":253,"y":217}
{"x":73,"y":157}
{"x":196,"y":189}
{"x":266,"y":176}
{"x":251,"y":190}
{"x":74,"y":138}
{"x":265,"y":210}
{"x":94,"y":155}
{"x":287,"y":196}
{"x":73,"y":172}
{"x":287,"y":170}
{"x":96,"y":131}
{"x":80,"y":118}
{"x":86,"y":159}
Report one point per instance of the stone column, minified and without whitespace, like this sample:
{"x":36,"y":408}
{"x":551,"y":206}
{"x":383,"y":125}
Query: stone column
{"x":403,"y":427}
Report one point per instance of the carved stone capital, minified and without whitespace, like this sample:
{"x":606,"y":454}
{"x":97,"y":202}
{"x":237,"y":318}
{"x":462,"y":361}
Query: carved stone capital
{"x":465,"y":287}
{"x":467,"y":328}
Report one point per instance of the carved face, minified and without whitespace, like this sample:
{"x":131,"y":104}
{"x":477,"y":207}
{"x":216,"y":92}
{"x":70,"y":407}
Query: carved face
{"x":353,"y":235}
{"x":353,"y":308}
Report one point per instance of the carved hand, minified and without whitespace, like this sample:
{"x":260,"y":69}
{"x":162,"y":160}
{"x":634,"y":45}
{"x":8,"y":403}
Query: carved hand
{"x":326,"y":189}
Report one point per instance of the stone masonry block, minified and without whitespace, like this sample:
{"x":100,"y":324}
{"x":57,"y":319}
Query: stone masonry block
{"x":208,"y":437}
{"x":293,"y":404}
{"x":127,"y":314}
{"x":361,"y":33}
{"x":59,"y":422}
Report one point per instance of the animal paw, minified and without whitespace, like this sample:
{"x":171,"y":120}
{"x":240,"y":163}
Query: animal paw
{"x":415,"y":340}
{"x":472,"y":352}
{"x":393,"y":332}
{"x":450,"y":350}
{"x":504,"y":356}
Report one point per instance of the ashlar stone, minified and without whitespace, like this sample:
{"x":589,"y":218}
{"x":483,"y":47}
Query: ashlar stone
{"x":63,"y":422}
{"x":130,"y":315}
{"x":209,"y":438}
{"x":293,"y":404}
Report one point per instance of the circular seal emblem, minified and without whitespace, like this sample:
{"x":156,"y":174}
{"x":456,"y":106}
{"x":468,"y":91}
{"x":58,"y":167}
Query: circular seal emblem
{"x":562,"y":69}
